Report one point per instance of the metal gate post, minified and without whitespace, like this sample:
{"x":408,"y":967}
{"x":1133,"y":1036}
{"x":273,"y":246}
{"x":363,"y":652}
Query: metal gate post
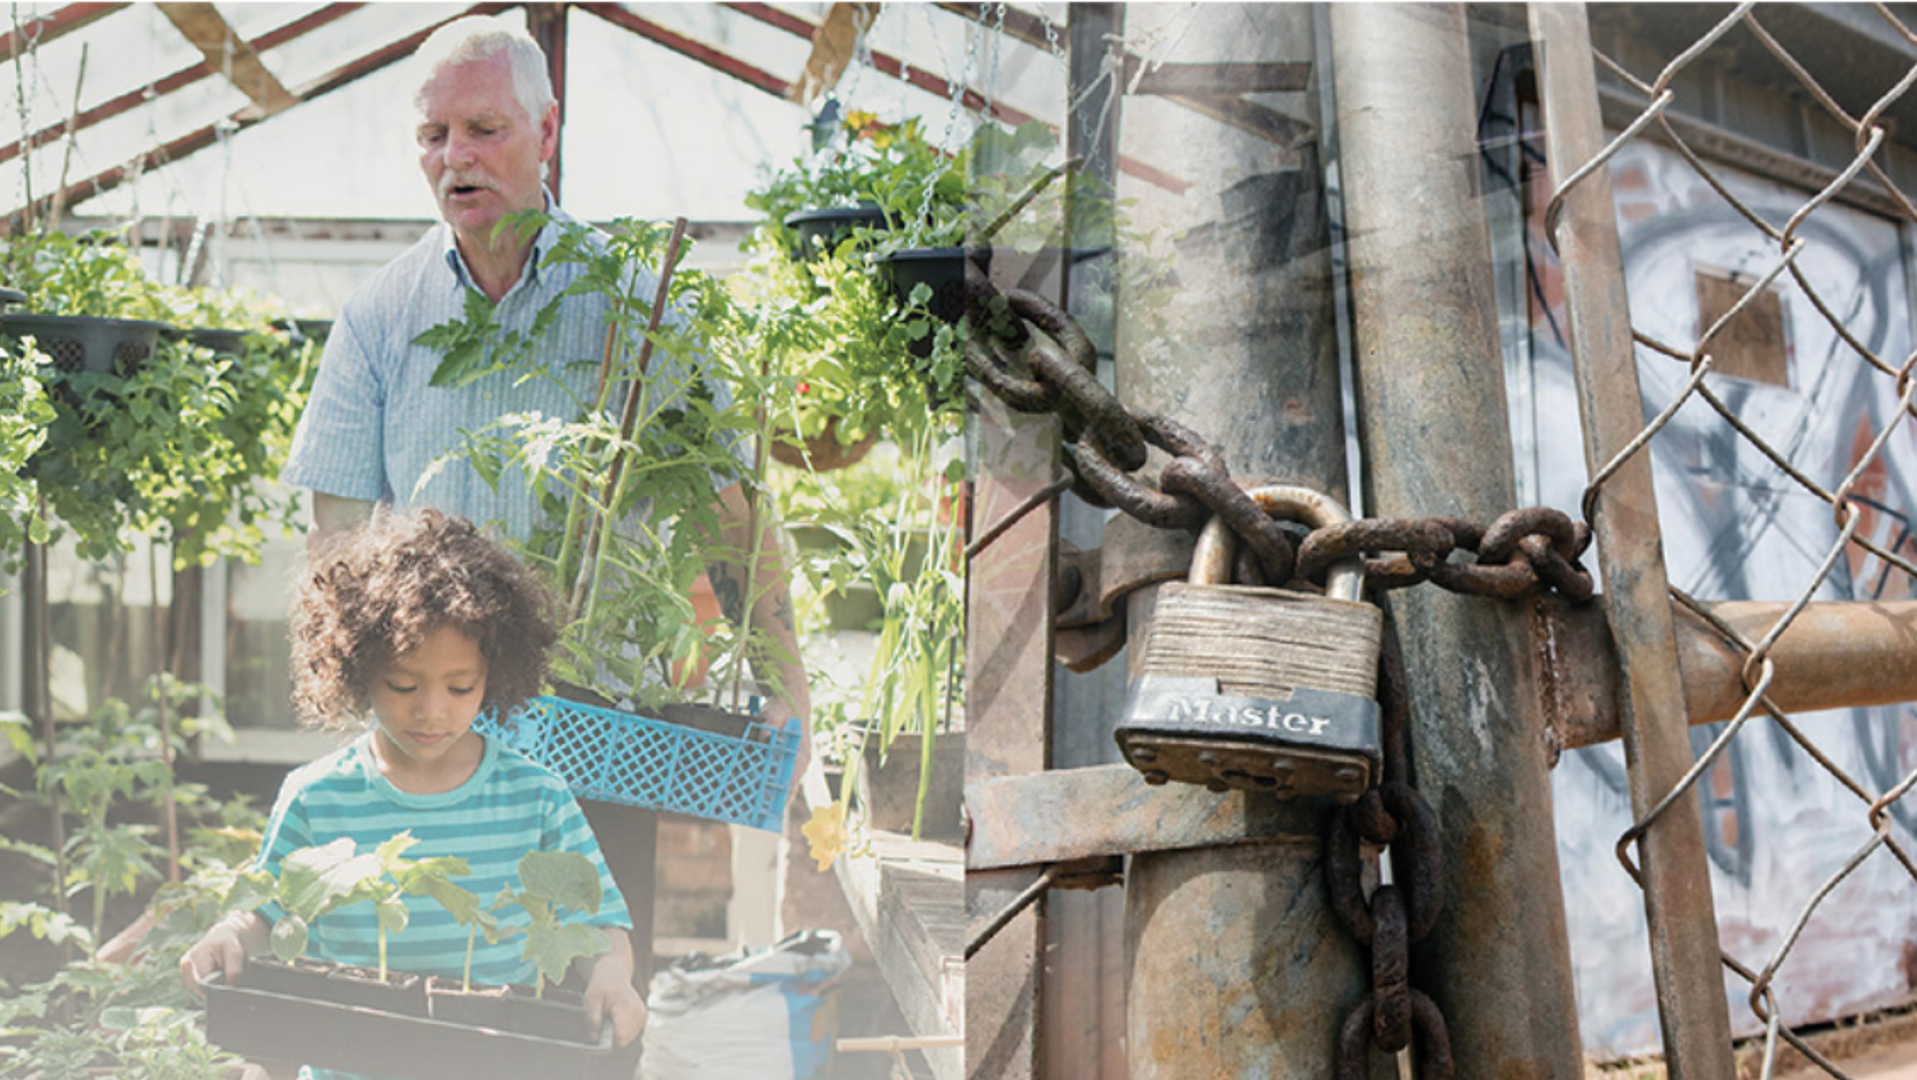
{"x":1236,"y":966}
{"x":1685,"y":959}
{"x":1433,"y":425}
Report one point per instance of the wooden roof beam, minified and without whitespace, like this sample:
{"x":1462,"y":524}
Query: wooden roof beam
{"x":37,"y":31}
{"x":209,"y":32}
{"x":195,"y":141}
{"x":184,"y":77}
{"x":710,"y":56}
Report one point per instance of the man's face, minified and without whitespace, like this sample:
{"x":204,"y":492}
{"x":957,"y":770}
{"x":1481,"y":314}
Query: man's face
{"x":480,"y":151}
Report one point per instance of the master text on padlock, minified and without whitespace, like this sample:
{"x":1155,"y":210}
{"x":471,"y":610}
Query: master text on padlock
{"x":1216,"y":713}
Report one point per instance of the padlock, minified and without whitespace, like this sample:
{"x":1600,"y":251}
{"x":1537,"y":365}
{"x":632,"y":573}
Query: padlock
{"x":1259,"y":688}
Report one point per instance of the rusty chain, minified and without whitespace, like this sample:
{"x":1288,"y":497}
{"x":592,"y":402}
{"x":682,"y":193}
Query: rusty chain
{"x":1397,"y":915}
{"x":1035,"y":357}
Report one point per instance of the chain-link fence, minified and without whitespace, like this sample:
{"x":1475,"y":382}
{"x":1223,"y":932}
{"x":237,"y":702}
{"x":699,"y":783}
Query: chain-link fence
{"x":1769,"y":307}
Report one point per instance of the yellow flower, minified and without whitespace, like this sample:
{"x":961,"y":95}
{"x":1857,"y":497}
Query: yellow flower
{"x":825,"y":832}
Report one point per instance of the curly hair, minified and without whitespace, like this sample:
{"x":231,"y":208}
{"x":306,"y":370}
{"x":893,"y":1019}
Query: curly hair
{"x":380,"y":590}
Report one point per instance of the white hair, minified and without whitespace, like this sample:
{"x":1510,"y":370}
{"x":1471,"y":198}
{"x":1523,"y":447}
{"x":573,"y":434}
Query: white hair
{"x":482,"y":37}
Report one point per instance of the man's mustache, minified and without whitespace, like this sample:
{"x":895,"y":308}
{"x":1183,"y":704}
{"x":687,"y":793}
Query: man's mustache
{"x":450,"y":180}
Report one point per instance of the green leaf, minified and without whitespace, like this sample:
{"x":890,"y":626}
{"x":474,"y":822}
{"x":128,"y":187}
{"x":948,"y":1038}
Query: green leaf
{"x":553,"y":949}
{"x":563,"y":878}
{"x":392,"y":914}
{"x":289,"y":938}
{"x":315,"y":879}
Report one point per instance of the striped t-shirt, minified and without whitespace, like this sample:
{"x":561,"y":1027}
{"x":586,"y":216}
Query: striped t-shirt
{"x":509,"y":806}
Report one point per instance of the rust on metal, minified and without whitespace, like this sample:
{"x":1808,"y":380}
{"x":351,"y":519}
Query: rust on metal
{"x":1130,"y":555}
{"x":1106,"y":810}
{"x":1693,"y":1012}
{"x":1836,"y":654}
{"x":1498,"y":961}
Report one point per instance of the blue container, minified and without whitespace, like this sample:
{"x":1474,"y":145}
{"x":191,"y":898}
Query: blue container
{"x":741,"y":776}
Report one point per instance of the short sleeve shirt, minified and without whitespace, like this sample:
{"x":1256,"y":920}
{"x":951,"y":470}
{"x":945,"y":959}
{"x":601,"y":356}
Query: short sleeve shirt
{"x":375,"y":429}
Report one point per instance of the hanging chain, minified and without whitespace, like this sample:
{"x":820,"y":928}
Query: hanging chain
{"x":1037,"y":359}
{"x":1395,"y":916}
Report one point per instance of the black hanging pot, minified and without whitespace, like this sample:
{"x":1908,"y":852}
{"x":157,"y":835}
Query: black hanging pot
{"x":88,"y":343}
{"x":821,"y":232}
{"x":222,"y":342}
{"x":943,"y":270}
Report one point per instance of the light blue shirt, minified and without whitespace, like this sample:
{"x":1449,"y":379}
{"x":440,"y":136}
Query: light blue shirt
{"x":374,"y":427}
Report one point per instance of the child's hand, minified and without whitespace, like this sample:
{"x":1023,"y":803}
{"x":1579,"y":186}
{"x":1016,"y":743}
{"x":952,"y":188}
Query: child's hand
{"x":224,"y":949}
{"x":610,"y":993}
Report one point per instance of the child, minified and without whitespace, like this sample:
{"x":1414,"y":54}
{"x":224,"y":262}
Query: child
{"x":425,"y":623}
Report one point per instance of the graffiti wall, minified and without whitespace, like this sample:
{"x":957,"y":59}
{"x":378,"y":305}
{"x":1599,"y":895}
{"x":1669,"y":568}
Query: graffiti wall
{"x":1737,"y":527}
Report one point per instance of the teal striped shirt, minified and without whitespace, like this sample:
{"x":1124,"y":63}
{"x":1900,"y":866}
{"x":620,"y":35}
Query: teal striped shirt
{"x":509,"y":806}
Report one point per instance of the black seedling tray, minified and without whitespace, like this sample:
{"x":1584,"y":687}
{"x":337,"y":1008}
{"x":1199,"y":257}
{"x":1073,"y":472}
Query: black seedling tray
{"x":257,"y":1024}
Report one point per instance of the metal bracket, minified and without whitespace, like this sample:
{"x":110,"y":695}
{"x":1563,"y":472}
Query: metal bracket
{"x":1108,"y":810}
{"x":1093,"y":583}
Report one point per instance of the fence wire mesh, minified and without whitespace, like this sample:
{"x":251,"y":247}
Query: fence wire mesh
{"x":1711,"y":378}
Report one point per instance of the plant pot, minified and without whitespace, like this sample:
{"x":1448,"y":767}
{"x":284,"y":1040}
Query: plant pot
{"x":401,"y":993}
{"x":559,"y":1015}
{"x":822,"y":231}
{"x":943,"y":270}
{"x":823,"y":452}
{"x":252,"y":1022}
{"x":482,"y":1006}
{"x":222,"y":342}
{"x":85,"y":343}
{"x":890,"y":789}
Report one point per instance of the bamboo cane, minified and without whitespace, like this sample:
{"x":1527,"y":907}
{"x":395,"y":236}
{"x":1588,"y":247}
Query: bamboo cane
{"x":629,"y":416}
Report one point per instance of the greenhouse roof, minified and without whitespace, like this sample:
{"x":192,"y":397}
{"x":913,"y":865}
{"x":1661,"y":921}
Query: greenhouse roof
{"x":224,"y":111}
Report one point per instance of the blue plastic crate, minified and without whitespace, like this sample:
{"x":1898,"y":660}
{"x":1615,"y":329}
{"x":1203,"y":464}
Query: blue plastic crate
{"x":639,"y":761}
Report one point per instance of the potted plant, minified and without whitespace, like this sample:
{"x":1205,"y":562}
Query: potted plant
{"x":314,"y":882}
{"x":286,"y":1006}
{"x":830,"y":198}
{"x":25,"y":413}
{"x":92,"y":307}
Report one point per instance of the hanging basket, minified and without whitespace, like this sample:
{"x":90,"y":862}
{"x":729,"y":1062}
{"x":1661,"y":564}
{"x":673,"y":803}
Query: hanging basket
{"x":822,"y":452}
{"x":75,"y":343}
{"x":221,"y":342}
{"x":943,"y":270}
{"x":821,"y":232}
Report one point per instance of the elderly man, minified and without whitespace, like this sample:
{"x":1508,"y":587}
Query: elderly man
{"x":487,"y":125}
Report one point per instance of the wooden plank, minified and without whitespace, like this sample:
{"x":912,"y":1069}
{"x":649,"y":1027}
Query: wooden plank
{"x":906,"y":897}
{"x":209,"y":32}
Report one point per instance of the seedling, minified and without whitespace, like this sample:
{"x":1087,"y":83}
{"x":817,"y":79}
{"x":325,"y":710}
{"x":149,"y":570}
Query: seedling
{"x":314,"y":882}
{"x":548,"y":882}
{"x":418,"y":877}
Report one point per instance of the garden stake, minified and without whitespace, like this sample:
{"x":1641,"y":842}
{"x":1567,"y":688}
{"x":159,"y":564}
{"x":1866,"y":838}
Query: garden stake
{"x":753,"y":538}
{"x":66,"y":157}
{"x":168,"y":809}
{"x":590,"y":557}
{"x":575,"y":509}
{"x":43,"y":704}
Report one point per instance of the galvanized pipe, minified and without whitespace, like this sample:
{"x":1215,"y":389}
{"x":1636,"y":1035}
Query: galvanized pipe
{"x":1433,"y":426}
{"x":1685,"y":956}
{"x":1237,"y":967}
